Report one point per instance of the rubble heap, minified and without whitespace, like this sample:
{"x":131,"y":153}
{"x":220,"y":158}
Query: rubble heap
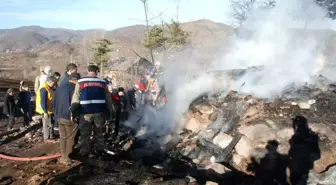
{"x":236,"y":129}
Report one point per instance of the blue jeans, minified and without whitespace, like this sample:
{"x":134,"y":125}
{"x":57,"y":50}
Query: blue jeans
{"x":26,"y":115}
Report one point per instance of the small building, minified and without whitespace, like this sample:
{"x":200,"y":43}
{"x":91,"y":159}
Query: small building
{"x":139,"y":66}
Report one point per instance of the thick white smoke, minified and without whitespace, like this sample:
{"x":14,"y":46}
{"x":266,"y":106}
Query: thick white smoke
{"x":287,"y":40}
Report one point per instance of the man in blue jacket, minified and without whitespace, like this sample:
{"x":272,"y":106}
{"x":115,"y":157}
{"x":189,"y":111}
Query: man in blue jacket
{"x":71,"y":68}
{"x":24,"y":98}
{"x":67,"y":128}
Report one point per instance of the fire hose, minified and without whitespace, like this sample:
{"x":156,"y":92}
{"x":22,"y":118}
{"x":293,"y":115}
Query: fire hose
{"x":30,"y":158}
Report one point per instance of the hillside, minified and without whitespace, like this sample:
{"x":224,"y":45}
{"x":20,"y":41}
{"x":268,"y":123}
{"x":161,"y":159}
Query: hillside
{"x":27,"y":48}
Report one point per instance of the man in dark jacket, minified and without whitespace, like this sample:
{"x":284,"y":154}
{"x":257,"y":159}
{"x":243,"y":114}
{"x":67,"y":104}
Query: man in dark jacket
{"x":67,"y":128}
{"x":24,"y":98}
{"x":57,"y":75}
{"x":71,"y":68}
{"x":131,"y":100}
{"x":9,"y":108}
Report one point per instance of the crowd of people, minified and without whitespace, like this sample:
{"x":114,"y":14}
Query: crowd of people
{"x":77,"y":106}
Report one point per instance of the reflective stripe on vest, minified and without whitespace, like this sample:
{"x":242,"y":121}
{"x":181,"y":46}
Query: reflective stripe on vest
{"x":92,"y":95}
{"x":88,"y":79}
{"x":84,"y":102}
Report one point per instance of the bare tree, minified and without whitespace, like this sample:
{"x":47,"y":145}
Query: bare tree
{"x":240,"y":9}
{"x":147,"y":25}
{"x":330,"y":5}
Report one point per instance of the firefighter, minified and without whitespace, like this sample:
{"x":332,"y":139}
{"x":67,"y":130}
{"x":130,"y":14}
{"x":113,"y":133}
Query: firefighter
{"x":90,"y":101}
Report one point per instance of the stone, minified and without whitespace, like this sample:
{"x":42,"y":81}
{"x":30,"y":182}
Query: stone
{"x":191,"y":179}
{"x":327,"y":158}
{"x":222,"y":140}
{"x":244,"y":147}
{"x":285,"y":134}
{"x":186,"y":151}
{"x":303,"y":105}
{"x":272,"y":124}
{"x":207,"y":134}
{"x":258,"y":132}
{"x":37,"y":119}
{"x":324,"y":88}
{"x":36,"y":180}
{"x":324,"y":130}
{"x":219,"y":168}
{"x":211,"y":183}
{"x":311,"y":102}
{"x":29,"y":135}
{"x":327,"y":178}
{"x":193,"y":125}
{"x":205,"y":109}
{"x":196,"y":161}
{"x":238,"y":160}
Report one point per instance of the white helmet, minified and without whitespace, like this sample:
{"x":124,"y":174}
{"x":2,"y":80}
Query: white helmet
{"x":157,"y":63}
{"x":47,"y":70}
{"x":136,"y":86}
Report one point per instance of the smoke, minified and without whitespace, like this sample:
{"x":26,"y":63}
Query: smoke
{"x":159,"y":122}
{"x":287,"y":40}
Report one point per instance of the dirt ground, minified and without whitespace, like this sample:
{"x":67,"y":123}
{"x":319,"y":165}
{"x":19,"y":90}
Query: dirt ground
{"x":27,"y":144}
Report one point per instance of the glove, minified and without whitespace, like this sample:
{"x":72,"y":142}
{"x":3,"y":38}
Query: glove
{"x":45,"y":115}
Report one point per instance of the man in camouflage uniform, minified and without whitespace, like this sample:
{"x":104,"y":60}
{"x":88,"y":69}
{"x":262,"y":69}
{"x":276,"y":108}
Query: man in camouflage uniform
{"x":90,"y":101}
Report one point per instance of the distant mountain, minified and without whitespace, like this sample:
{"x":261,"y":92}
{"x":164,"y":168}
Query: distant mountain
{"x":28,"y":37}
{"x":27,"y":48}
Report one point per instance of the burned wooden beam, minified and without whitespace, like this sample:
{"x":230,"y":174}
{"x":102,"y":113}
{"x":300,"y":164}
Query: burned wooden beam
{"x":9,"y":132}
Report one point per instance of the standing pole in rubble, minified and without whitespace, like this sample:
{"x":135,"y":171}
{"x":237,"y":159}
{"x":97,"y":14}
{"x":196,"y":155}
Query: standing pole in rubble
{"x":147,"y":26}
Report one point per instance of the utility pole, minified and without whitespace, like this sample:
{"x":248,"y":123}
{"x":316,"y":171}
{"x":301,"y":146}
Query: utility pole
{"x":177,"y":10}
{"x":147,"y":25}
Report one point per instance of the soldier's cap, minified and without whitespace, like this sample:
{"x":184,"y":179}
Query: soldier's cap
{"x":10,"y":90}
{"x":75,"y":76}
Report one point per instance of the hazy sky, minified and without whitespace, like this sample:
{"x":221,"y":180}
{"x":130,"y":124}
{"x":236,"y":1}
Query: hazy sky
{"x":108,"y":14}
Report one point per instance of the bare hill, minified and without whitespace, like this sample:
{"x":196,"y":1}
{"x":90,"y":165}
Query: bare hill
{"x":28,"y":48}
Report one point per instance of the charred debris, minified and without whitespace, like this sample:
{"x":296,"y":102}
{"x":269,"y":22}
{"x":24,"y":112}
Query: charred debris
{"x":210,"y":138}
